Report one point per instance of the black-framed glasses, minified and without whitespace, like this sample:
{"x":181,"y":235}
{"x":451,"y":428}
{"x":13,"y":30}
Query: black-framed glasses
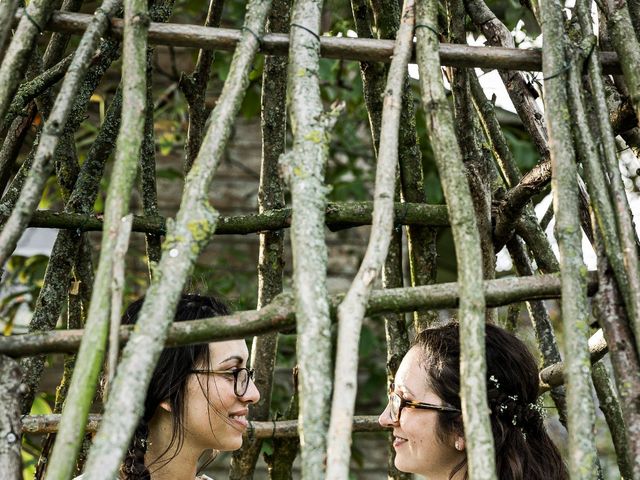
{"x":397,"y":403}
{"x":241,"y":378}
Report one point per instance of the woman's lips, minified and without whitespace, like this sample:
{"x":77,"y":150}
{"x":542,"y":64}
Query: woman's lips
{"x":240,"y":420}
{"x":398,"y":441}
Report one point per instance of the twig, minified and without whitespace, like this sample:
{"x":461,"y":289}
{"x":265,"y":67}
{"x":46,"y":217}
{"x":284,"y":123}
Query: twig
{"x":554,"y":375}
{"x":624,"y":40}
{"x":608,"y":309}
{"x":8,"y":10}
{"x":285,"y":450}
{"x":148,"y":172}
{"x":28,"y":91}
{"x":66,"y":249}
{"x":421,"y":241}
{"x":610,"y":407}
{"x":194,"y":87}
{"x":351,"y":310}
{"x":373,"y":75}
{"x":472,"y":302}
{"x":123,"y":230}
{"x":542,"y":325}
{"x":477,"y":161}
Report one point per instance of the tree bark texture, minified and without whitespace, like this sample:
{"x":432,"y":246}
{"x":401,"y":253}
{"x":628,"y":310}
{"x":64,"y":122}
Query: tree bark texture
{"x":467,"y":241}
{"x":10,"y":426}
{"x":270,"y":257}
{"x":582,"y":452}
{"x":280,"y":313}
{"x":352,"y":309}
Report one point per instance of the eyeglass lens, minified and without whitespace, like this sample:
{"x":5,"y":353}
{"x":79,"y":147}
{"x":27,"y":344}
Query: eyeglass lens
{"x":242,"y":381}
{"x":395,"y":403}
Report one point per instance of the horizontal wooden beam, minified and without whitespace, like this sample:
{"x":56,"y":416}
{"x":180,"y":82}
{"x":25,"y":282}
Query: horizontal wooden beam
{"x":279,"y":314}
{"x":44,"y":424}
{"x":339,"y":215}
{"x":361,"y":49}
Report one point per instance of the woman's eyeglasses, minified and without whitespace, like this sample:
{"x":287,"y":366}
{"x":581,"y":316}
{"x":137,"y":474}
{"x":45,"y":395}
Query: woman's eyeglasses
{"x":397,"y":403}
{"x":241,"y":377}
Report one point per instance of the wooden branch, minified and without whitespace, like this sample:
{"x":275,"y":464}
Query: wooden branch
{"x":279,"y":314}
{"x":304,"y":170}
{"x":42,"y":424}
{"x":28,"y":91}
{"x":196,"y":36}
{"x":352,"y":309}
{"x":8,"y":11}
{"x":626,"y":233}
{"x":338,"y":216}
{"x":610,"y":406}
{"x":10,"y":433}
{"x":624,"y":40}
{"x":448,"y":157}
{"x":554,"y":375}
{"x":91,"y":354}
{"x":18,"y":53}
{"x":581,"y":415}
{"x":270,"y":257}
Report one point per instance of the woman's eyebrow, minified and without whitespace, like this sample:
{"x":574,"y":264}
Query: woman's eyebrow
{"x":237,"y":358}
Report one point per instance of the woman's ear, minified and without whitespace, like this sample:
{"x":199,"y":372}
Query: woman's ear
{"x":459,"y":444}
{"x":165,"y":405}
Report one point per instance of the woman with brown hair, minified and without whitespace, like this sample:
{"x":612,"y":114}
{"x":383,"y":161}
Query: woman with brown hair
{"x":197,"y":400}
{"x":425,"y":413}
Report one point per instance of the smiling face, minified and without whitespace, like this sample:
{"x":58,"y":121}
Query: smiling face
{"x":417,"y":445}
{"x":214,"y":417}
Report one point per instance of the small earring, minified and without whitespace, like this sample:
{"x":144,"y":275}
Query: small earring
{"x":458,"y":445}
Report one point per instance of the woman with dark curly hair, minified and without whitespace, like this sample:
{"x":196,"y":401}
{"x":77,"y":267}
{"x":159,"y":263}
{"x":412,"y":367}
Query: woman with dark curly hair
{"x":424,"y":409}
{"x":197,"y":400}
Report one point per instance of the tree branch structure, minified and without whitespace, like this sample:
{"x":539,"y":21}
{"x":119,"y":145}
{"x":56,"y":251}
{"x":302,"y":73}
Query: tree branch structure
{"x":580,"y":408}
{"x":352,"y":309}
{"x":481,"y":463}
{"x":196,"y":36}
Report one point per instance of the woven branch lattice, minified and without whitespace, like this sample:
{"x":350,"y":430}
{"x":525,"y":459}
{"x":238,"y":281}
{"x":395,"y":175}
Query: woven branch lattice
{"x":488,"y":205}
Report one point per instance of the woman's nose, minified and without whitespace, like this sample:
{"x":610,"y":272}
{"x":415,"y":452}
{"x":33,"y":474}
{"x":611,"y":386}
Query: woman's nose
{"x":252,"y":395}
{"x":385,"y":418}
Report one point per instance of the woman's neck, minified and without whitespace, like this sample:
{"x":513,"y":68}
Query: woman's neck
{"x":166,"y":463}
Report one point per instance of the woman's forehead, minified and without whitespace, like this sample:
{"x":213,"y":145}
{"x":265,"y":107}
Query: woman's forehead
{"x":229,"y":349}
{"x":410,"y":375}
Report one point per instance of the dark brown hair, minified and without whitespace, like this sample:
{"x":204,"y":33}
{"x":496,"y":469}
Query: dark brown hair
{"x":168,"y":382}
{"x":523,"y":448}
